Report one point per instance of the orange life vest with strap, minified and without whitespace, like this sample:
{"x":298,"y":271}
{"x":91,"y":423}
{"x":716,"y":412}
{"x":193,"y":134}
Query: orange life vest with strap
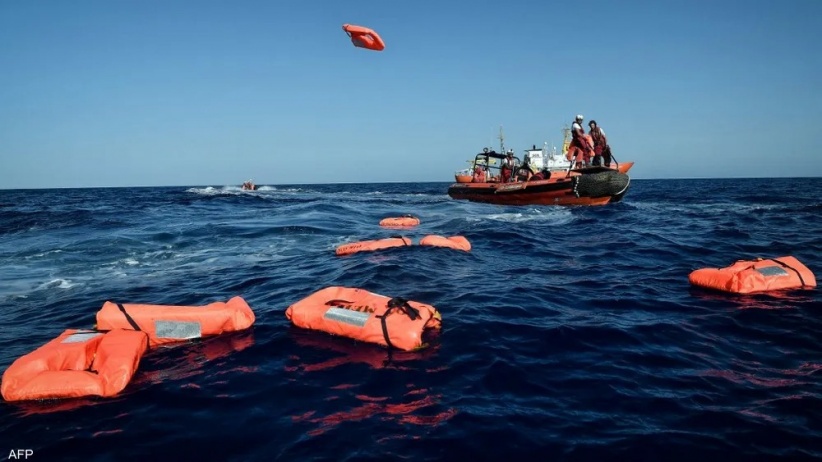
{"x":369,"y":317}
{"x":748,"y":276}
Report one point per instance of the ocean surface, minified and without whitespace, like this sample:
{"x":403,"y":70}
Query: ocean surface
{"x":568,"y":333}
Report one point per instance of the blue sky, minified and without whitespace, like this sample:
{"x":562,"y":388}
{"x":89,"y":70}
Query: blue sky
{"x":155,"y":93}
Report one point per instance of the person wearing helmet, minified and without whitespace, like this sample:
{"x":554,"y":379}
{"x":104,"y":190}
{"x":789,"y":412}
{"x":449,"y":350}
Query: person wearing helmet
{"x":581,"y":148}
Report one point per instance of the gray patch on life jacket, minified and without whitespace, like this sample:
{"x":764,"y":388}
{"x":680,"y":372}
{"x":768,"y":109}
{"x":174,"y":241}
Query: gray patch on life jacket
{"x":80,"y":337}
{"x":177,"y":329}
{"x":354,"y":318}
{"x":772,"y":271}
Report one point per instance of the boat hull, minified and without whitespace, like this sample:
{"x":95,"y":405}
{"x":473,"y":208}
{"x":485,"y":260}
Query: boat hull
{"x":596,"y":188}
{"x":625,"y":166}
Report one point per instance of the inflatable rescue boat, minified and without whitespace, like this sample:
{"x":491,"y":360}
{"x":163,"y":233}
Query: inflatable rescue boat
{"x":574,"y":186}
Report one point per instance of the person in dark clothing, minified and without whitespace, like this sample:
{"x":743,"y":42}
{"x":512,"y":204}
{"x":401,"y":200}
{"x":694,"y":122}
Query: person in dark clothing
{"x":524,"y":171}
{"x":602,"y":152}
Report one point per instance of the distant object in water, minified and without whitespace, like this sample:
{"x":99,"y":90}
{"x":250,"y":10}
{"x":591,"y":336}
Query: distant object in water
{"x":405,"y":221}
{"x":760,"y":275}
{"x":371,"y":245}
{"x":452,"y":242}
{"x":364,"y":37}
{"x":249,"y":186}
{"x":365,"y":316}
{"x":78,"y":363}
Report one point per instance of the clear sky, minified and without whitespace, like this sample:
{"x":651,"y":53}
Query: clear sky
{"x":178,"y":92}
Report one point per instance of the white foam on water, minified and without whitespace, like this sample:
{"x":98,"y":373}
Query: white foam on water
{"x":559,"y":216}
{"x":43,"y":254}
{"x":58,"y":283}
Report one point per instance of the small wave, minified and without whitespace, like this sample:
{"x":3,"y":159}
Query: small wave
{"x":57,"y":284}
{"x":43,"y":254}
{"x":557,"y":217}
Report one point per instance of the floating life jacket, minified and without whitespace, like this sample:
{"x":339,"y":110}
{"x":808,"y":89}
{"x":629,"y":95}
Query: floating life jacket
{"x":168,"y":323}
{"x":365,"y":316}
{"x":75,"y":364}
{"x":758,"y":275}
{"x":405,"y":221}
{"x":453,"y":242}
{"x":376,"y":244}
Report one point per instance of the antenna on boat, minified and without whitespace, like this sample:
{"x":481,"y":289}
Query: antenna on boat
{"x":501,"y":142}
{"x":566,"y":139}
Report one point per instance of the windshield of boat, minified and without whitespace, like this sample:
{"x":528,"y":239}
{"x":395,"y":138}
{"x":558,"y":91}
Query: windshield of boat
{"x":492,"y":161}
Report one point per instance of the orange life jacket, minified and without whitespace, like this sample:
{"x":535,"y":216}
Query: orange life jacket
{"x":170,"y":323}
{"x":365,"y":316}
{"x":453,"y":242}
{"x":759,"y":275}
{"x":406,"y":221}
{"x":75,"y":364}
{"x":376,"y":244}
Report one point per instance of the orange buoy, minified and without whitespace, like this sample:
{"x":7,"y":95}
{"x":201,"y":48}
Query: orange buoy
{"x":75,"y":364}
{"x":171,"y":323}
{"x":453,"y":242}
{"x":365,"y":316}
{"x":364,"y":37}
{"x":405,"y":221}
{"x":376,"y":244}
{"x":760,"y":275}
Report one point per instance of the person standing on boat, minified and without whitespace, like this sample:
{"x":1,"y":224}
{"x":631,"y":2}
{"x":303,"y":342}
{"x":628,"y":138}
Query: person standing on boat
{"x":524,"y":171}
{"x":507,"y":167}
{"x":580,"y":149}
{"x":601,"y":148}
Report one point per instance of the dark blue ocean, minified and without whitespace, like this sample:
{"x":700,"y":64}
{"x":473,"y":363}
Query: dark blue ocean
{"x":568,"y":333}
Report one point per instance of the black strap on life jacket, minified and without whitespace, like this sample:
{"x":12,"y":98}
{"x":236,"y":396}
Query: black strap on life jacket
{"x":801,"y":280}
{"x":401,"y":304}
{"x":128,"y":317}
{"x":400,"y":237}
